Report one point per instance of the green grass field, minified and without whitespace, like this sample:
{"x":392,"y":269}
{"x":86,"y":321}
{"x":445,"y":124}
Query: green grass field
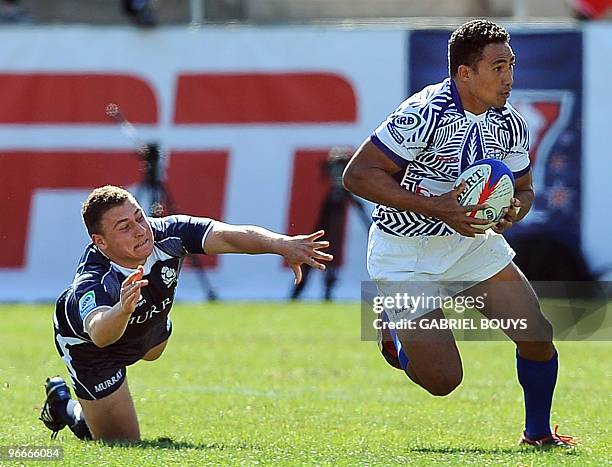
{"x":293,"y":384}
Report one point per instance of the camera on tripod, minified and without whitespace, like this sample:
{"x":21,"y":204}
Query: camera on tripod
{"x":156,"y":193}
{"x":335,"y":164}
{"x":153,"y":188}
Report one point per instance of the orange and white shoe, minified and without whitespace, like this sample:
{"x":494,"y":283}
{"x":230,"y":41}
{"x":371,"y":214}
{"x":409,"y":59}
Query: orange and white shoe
{"x":552,"y":440}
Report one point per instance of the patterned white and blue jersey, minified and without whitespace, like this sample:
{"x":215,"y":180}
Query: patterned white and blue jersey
{"x":434,"y":139}
{"x":98,"y":280}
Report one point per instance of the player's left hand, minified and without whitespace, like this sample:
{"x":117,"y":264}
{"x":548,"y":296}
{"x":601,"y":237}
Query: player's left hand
{"x":304,"y":249}
{"x":510,"y":216}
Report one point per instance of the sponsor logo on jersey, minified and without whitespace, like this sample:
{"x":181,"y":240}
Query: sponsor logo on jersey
{"x":87,"y":303}
{"x":168,"y":276}
{"x":498,"y":154}
{"x":151,"y":312}
{"x":109,"y":382}
{"x":447,"y":159}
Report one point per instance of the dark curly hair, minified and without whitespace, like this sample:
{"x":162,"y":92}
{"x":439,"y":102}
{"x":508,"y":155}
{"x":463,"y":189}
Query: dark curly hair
{"x":467,"y":43}
{"x":98,"y":202}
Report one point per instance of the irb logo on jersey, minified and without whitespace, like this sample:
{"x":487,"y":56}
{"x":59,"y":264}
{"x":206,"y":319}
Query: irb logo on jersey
{"x":402,"y":126}
{"x":407,"y":121}
{"x":87,"y":303}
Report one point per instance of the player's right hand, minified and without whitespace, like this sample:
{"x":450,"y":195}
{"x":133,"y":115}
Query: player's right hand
{"x":305,"y":249}
{"x":130,"y":290}
{"x":446,"y":207}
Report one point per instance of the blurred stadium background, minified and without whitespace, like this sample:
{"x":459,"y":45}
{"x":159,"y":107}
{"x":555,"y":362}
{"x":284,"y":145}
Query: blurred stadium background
{"x":246,"y":99}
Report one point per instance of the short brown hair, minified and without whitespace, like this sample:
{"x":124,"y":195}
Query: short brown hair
{"x":467,"y":43}
{"x":98,"y":202}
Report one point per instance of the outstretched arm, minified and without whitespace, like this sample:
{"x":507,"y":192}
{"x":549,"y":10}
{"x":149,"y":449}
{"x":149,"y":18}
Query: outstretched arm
{"x":250,"y":239}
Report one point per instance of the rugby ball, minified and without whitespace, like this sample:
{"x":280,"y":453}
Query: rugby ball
{"x":488,"y":181}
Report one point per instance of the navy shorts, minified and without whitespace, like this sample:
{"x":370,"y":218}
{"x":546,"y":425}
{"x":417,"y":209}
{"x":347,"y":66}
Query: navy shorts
{"x":96,"y":372}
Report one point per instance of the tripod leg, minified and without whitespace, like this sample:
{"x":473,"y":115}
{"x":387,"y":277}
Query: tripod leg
{"x":203,"y":278}
{"x":361,"y":211}
{"x":165,"y":200}
{"x":331,"y":277}
{"x":297,"y":289}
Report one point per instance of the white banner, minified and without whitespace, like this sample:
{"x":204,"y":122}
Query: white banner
{"x":597,"y":151}
{"x":199,"y":94}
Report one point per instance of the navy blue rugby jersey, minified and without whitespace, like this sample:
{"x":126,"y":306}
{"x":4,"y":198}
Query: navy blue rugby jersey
{"x":98,"y":280}
{"x":434,"y":139}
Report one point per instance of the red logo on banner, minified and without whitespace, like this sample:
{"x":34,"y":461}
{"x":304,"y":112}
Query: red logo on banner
{"x":264,"y":98}
{"x":196,"y":179}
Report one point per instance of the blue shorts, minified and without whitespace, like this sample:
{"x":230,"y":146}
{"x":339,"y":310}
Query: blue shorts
{"x":97,"y":375}
{"x":98,"y":372}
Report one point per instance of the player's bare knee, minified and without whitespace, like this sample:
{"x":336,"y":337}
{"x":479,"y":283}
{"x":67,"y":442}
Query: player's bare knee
{"x":547,"y":331}
{"x":444,"y":384}
{"x":538,"y":330}
{"x":443,"y":387}
{"x":536,"y":350}
{"x":116,"y":434}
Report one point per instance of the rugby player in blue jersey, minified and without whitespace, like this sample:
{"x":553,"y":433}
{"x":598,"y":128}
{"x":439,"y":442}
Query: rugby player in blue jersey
{"x":422,"y":238}
{"x":115,"y":312}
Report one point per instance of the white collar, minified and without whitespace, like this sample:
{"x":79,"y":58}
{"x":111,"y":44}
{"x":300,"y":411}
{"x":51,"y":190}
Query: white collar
{"x":155,"y":256}
{"x":475,"y":118}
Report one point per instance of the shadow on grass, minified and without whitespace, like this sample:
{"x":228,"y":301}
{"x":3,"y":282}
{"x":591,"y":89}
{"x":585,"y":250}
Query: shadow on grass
{"x":488,"y":451}
{"x":170,"y":444}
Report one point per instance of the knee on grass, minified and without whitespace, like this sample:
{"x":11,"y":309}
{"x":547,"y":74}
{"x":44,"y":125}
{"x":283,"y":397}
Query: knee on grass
{"x":117,"y":438}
